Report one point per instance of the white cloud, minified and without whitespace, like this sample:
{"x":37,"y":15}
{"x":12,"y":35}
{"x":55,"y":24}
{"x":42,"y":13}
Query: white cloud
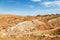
{"x":47,"y":3}
{"x":47,"y":11}
{"x":36,"y":0}
{"x":56,"y":3}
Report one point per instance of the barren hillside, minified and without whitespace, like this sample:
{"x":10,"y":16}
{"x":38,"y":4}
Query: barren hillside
{"x":40,"y":27}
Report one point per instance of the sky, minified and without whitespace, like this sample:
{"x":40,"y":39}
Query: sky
{"x":29,"y":7}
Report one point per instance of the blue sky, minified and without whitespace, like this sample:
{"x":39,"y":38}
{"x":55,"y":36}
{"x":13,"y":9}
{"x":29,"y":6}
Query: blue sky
{"x":29,"y":7}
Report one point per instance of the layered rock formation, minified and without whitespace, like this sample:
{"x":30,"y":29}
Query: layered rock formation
{"x":40,"y":27}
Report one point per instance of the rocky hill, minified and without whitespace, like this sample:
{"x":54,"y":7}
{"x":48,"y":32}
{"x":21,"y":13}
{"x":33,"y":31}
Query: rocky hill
{"x":39,"y":27}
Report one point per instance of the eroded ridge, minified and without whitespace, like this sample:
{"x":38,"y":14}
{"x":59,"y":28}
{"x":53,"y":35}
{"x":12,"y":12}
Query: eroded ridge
{"x":28,"y":28}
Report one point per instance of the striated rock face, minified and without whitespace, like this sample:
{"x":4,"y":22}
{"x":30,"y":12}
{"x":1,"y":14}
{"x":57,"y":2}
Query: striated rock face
{"x":40,"y":27}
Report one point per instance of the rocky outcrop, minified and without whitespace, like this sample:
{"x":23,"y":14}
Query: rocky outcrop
{"x":40,"y":27}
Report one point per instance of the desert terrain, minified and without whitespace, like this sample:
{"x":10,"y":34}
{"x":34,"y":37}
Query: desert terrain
{"x":39,"y":27}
